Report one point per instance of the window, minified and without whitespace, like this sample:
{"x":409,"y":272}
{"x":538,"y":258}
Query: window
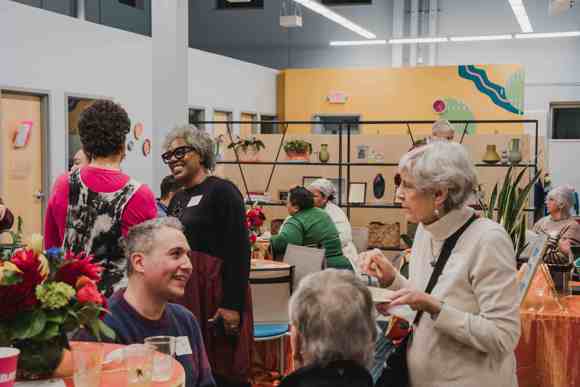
{"x":565,"y":121}
{"x":331,"y":124}
{"x":134,"y":3}
{"x":196,"y":117}
{"x":232,"y":4}
{"x":266,"y":127}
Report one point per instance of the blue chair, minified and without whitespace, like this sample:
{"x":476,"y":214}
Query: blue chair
{"x":271,"y":286}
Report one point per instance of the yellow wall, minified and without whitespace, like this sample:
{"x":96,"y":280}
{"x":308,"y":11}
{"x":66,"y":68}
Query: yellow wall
{"x":390,"y":94}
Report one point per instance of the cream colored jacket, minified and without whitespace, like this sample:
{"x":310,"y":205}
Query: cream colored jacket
{"x":471,"y":342}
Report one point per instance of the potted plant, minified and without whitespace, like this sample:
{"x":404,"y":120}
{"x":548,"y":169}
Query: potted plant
{"x":506,"y":206}
{"x":247,"y":149}
{"x":298,"y":150}
{"x":43,"y":296}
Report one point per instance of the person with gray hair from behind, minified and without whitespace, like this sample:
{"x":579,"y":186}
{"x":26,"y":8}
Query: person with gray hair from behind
{"x":468,"y":323}
{"x":158,"y":267}
{"x":562,"y":230}
{"x":213,"y":212}
{"x":333,"y":331}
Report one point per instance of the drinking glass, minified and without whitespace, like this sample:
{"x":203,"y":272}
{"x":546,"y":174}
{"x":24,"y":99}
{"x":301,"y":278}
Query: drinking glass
{"x":87,"y":362}
{"x":164,"y":347}
{"x":139,"y":359}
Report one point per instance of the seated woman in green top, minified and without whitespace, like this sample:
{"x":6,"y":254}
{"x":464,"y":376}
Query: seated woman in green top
{"x":309,"y":226}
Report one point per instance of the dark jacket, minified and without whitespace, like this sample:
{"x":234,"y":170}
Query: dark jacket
{"x":342,"y":373}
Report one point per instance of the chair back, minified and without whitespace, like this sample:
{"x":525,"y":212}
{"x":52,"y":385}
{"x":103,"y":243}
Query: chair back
{"x":360,"y":238}
{"x":305,"y":260}
{"x":271,"y":289}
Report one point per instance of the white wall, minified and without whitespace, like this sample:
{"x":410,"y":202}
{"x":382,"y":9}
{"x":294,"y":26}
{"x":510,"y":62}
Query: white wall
{"x":61,"y":55}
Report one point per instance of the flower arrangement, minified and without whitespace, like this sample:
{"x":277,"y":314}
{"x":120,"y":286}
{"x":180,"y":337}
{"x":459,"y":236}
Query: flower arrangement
{"x":249,"y":147}
{"x":298,"y":150}
{"x":43,"y":296}
{"x":254,"y":220}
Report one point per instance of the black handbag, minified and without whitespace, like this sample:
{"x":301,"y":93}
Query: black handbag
{"x":396,"y":372}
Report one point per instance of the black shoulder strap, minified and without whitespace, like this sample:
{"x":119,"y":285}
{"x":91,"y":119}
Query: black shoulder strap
{"x":446,"y":251}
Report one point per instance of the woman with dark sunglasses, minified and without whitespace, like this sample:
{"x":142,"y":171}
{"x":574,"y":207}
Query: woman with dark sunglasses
{"x":213,"y":214}
{"x":91,"y":208}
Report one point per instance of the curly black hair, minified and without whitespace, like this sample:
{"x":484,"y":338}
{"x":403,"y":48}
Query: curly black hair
{"x":103,"y":128}
{"x":301,"y":198}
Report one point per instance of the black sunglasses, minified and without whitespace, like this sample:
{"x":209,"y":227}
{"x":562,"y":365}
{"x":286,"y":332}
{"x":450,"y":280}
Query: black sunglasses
{"x":178,"y":153}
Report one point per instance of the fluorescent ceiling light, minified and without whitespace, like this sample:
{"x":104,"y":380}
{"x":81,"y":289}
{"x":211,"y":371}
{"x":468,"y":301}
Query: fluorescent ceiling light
{"x":418,"y":40}
{"x":335,"y":17}
{"x":521,"y":15}
{"x":480,"y":38}
{"x":548,"y":35}
{"x":357,"y":42}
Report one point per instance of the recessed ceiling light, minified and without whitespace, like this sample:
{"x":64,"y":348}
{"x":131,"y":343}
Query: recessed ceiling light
{"x":418,"y":40}
{"x":335,"y":17}
{"x":357,"y":42}
{"x":480,"y":38}
{"x":541,"y":35}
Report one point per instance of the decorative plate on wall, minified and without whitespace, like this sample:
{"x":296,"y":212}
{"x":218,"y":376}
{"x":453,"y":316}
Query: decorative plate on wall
{"x":146,"y":147}
{"x":138,"y":130}
{"x":379,"y":186}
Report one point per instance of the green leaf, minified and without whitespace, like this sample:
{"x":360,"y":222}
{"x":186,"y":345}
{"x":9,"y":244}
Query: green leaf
{"x":29,"y":324}
{"x":94,"y":328}
{"x":56,"y":317}
{"x":51,"y":330}
{"x":492,"y":200}
{"x":104,"y":328}
{"x":10,"y":278}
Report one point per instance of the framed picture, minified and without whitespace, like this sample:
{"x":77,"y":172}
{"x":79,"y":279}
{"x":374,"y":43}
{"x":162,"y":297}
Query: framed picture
{"x":283,"y":196}
{"x":357,"y":193}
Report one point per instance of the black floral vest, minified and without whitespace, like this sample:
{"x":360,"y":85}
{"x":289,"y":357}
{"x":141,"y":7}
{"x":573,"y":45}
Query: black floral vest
{"x":93,"y":226}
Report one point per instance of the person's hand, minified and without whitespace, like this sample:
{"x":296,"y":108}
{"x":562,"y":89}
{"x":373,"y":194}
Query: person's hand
{"x":2,"y":211}
{"x":375,"y":264}
{"x":231,"y":320}
{"x":417,"y":300}
{"x":563,"y":245}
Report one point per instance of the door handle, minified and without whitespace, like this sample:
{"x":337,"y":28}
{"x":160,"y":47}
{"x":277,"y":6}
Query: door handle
{"x":39,"y":195}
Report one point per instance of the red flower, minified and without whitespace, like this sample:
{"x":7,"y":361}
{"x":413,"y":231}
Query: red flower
{"x":90,"y":294}
{"x":21,"y":296}
{"x":76,"y":266}
{"x":253,"y":238}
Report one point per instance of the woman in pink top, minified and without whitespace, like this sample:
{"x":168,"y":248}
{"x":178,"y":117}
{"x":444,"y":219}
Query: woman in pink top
{"x":93,"y":207}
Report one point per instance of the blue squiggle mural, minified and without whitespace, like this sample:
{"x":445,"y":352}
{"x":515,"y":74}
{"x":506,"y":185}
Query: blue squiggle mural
{"x":494,"y":91}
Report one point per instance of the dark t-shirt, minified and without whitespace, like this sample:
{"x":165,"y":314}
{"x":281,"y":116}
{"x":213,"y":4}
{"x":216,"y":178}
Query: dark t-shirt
{"x":213,"y":214}
{"x":176,"y":321}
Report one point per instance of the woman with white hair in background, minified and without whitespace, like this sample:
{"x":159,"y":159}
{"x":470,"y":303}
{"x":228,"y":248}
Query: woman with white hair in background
{"x":468,"y":325}
{"x":442,"y":130}
{"x":559,"y":225}
{"x":324,"y":197}
{"x":333,"y":331}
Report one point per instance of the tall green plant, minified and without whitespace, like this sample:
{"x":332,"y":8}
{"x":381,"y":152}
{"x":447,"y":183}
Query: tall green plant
{"x":506,"y":206}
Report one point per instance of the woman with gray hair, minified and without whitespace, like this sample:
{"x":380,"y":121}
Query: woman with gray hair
{"x":213,"y":213}
{"x":467,"y":325}
{"x":559,"y":225}
{"x":333,"y":331}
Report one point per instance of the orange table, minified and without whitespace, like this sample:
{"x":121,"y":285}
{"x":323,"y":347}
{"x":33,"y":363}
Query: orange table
{"x":112,"y":376}
{"x":548,"y":354}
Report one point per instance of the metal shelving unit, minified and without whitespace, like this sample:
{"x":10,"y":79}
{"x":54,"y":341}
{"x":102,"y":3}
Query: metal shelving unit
{"x":345,"y":162}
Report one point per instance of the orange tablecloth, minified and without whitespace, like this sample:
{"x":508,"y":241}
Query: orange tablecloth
{"x":114,"y":376}
{"x":548,"y":354}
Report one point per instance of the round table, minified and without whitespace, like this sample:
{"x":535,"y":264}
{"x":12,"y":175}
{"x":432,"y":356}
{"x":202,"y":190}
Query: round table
{"x":112,"y":375}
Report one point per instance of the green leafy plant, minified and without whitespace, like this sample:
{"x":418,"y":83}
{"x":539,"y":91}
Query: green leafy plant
{"x":298,"y":146}
{"x":507,"y":204}
{"x":244,"y":143}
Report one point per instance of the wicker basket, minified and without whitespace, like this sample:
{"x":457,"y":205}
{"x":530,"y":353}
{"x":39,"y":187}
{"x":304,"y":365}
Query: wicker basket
{"x":384,"y":235}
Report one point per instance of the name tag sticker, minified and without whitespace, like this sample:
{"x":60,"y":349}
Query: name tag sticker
{"x":194,"y":201}
{"x":182,"y":346}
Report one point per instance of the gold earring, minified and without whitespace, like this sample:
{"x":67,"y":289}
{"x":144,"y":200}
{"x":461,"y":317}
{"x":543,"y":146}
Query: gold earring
{"x":437,"y":213}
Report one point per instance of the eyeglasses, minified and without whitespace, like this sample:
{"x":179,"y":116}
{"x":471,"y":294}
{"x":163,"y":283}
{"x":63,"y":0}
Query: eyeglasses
{"x":178,"y":153}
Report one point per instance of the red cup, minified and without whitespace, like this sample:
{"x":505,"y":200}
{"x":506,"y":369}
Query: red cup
{"x":8,"y":363}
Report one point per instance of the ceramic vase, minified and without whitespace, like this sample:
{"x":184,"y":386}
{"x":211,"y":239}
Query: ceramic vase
{"x":323,"y":155}
{"x":491,"y":156}
{"x":514,"y":154}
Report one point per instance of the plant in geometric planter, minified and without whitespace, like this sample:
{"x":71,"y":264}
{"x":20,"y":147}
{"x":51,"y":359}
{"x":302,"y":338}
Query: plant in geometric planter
{"x":298,"y":150}
{"x":247,"y":149}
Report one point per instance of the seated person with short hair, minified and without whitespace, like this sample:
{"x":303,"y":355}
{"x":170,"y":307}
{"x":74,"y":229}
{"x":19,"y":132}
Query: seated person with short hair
{"x":309,"y":226}
{"x":159,"y":267}
{"x":6,"y":217}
